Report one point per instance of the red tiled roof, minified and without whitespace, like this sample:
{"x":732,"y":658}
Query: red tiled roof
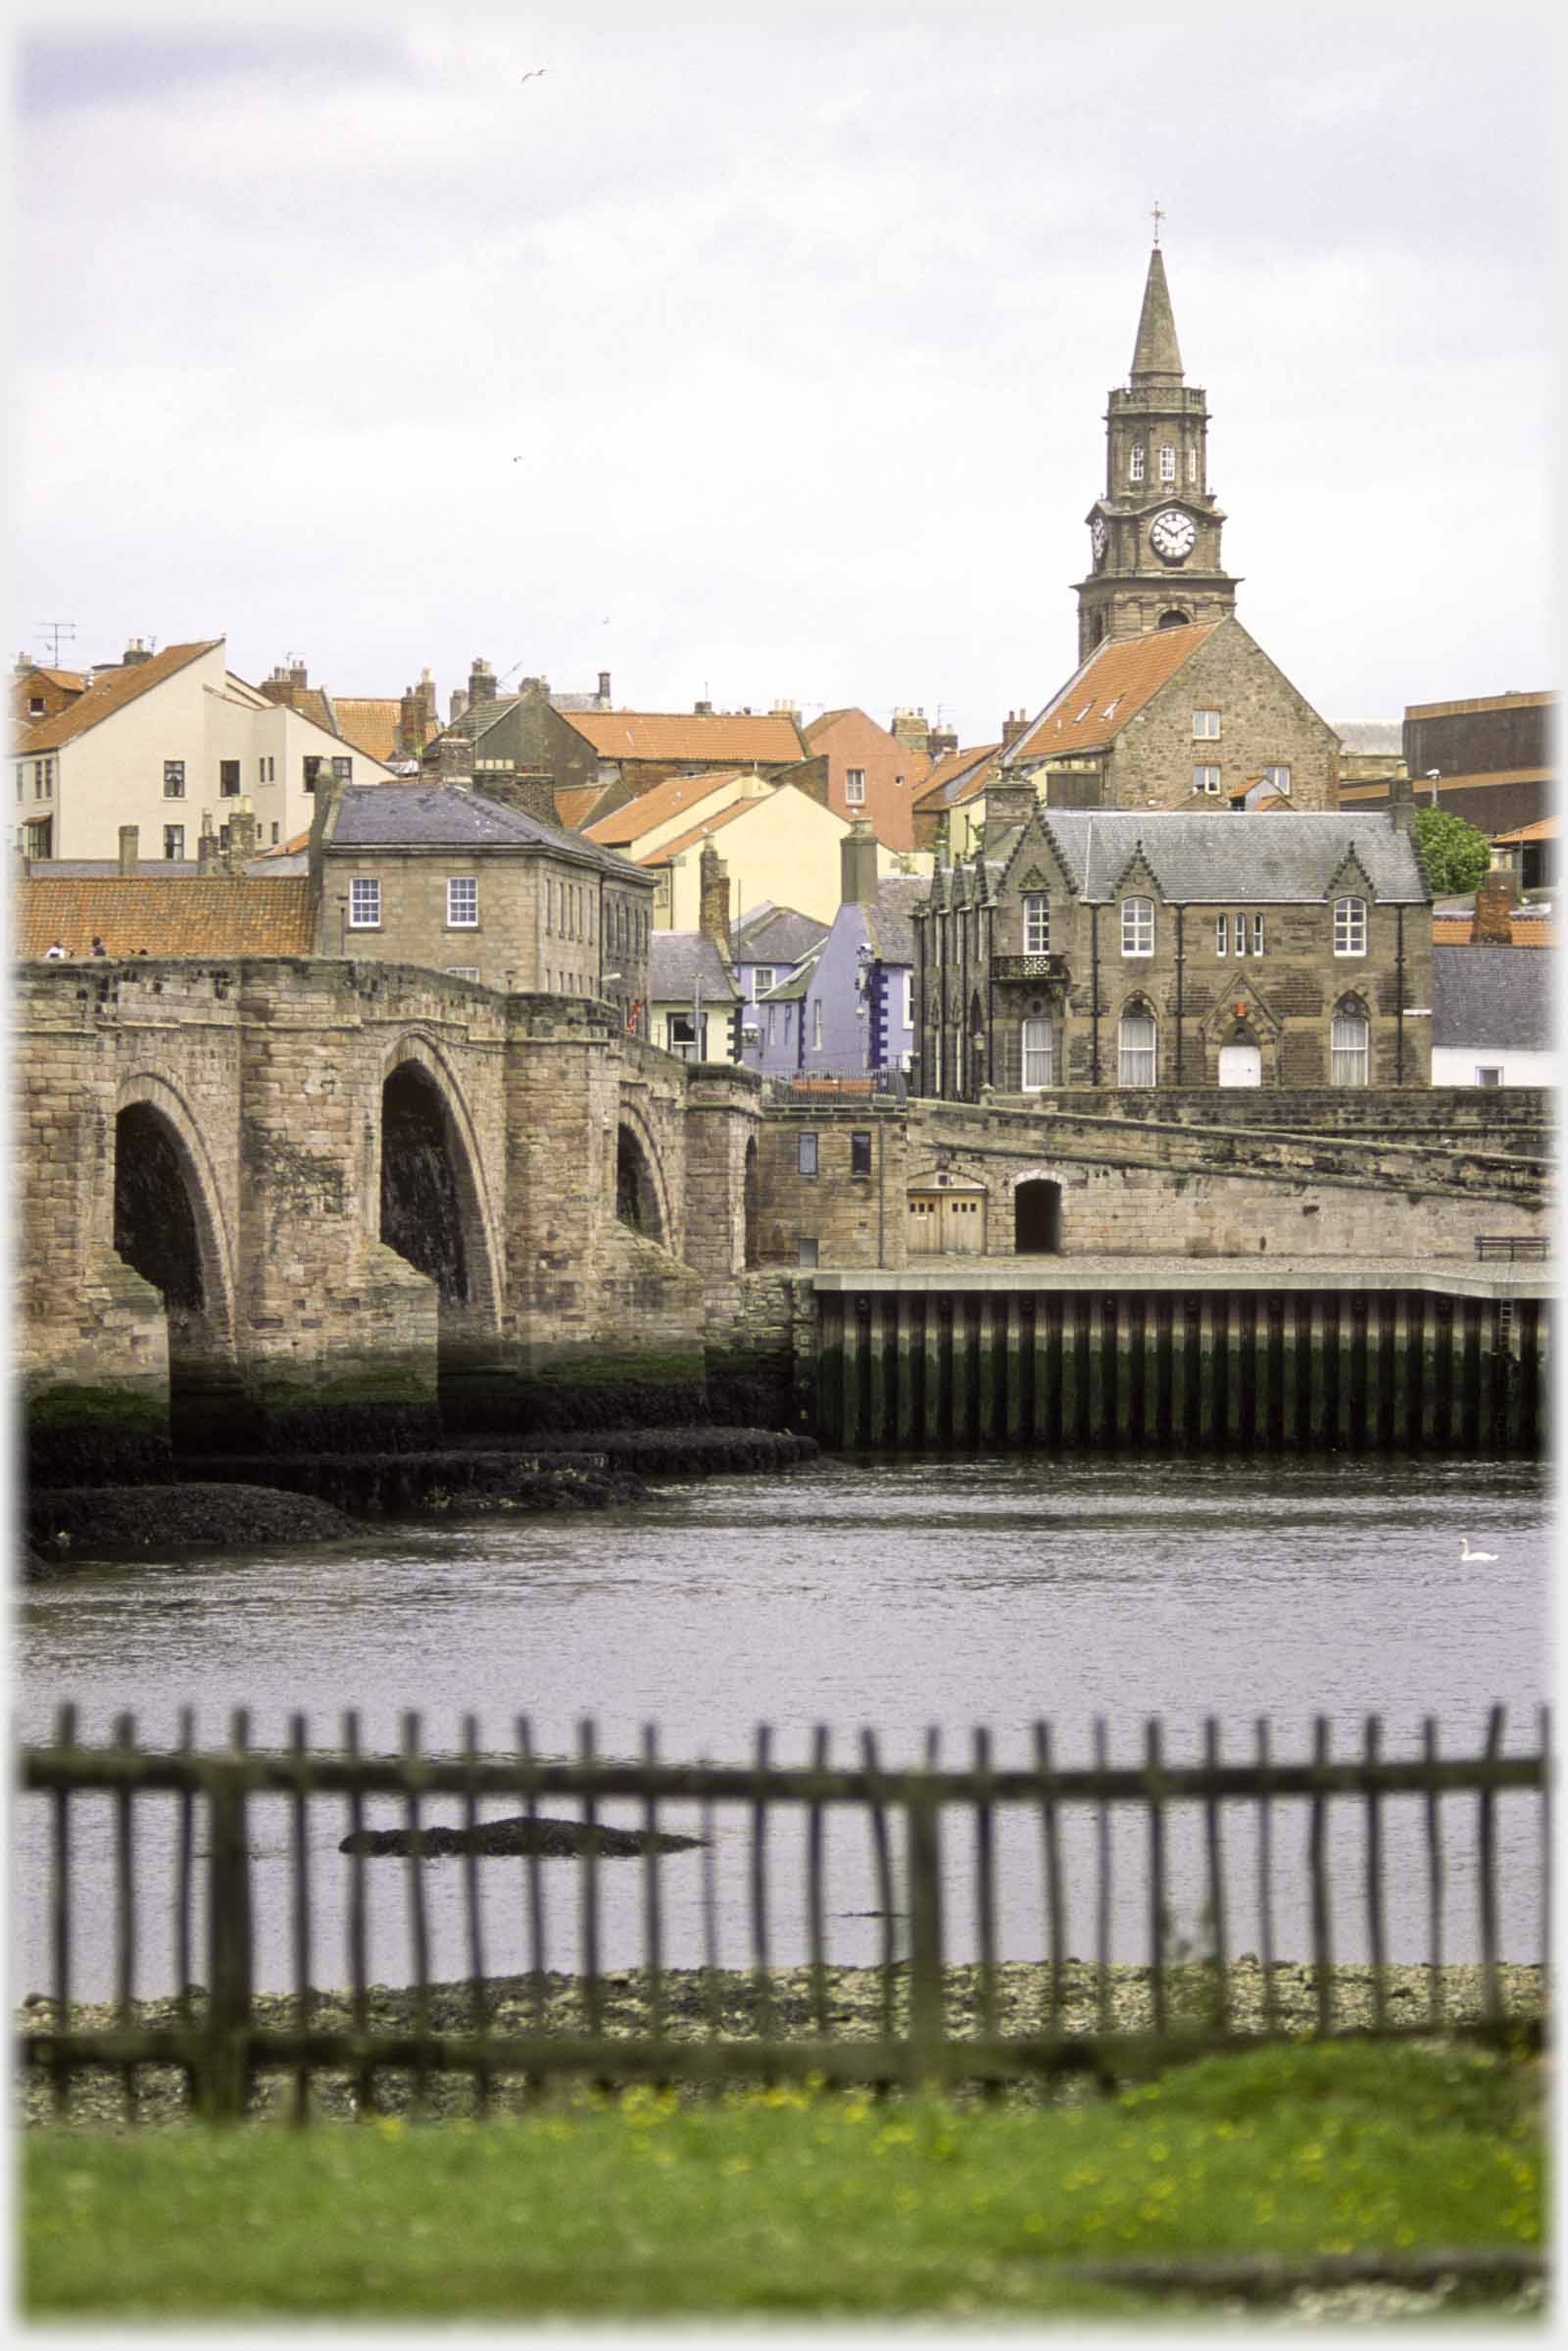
{"x":73,"y":681}
{"x":953,"y":766}
{"x":574,"y":802}
{"x":658,"y":807}
{"x":724,"y":739}
{"x":699,"y":832}
{"x":229,"y":915}
{"x":1545,"y":828}
{"x":1112,"y":687}
{"x":370,"y":723}
{"x":1526,"y":930}
{"x":108,"y":695}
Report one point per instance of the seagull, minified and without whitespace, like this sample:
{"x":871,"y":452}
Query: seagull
{"x":533,"y":74}
{"x":1475,"y":1558}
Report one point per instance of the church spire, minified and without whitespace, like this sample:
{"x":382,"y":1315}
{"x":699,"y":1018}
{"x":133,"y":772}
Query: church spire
{"x":1158,"y":353}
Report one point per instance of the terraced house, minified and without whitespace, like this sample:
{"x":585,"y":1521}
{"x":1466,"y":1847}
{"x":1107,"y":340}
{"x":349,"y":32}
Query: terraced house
{"x":1123,"y":951}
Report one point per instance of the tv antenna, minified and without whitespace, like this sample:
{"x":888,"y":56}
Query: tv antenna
{"x":56,"y":629}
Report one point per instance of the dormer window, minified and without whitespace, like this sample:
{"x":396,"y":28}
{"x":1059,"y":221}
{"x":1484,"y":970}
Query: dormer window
{"x":1349,"y":926}
{"x":1137,"y":927}
{"x":1134,"y":470}
{"x":1167,"y":464}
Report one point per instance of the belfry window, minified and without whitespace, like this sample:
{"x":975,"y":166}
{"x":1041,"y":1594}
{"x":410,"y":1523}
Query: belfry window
{"x":1167,"y":463}
{"x":1134,"y":470}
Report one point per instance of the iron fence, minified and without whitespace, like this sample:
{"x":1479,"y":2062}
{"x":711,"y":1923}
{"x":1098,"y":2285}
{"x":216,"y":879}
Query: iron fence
{"x":739,"y":2025}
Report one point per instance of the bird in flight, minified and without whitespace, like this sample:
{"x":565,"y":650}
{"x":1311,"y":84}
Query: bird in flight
{"x":534,"y":74}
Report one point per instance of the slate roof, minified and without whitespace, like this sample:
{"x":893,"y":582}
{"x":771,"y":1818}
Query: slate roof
{"x":775,"y":935}
{"x":958,"y":777}
{"x":793,"y":990}
{"x":674,"y":960}
{"x":108,"y":695}
{"x":1488,"y":996}
{"x":1373,"y":738}
{"x":888,"y":921}
{"x":443,"y":816}
{"x":233,"y":916}
{"x":1116,"y":682}
{"x":721,"y":739}
{"x":1200,"y":858}
{"x":665,"y":800}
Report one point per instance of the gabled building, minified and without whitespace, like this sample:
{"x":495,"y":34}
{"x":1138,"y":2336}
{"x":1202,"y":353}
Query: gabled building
{"x":1493,"y":1017}
{"x":949,"y":805}
{"x":38,"y":693}
{"x":773,"y":837}
{"x":872,"y":774}
{"x":770,"y":943}
{"x":847,"y":1011}
{"x":1109,"y":948}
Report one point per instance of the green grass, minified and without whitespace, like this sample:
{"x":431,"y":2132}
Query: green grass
{"x":786,"y":2204}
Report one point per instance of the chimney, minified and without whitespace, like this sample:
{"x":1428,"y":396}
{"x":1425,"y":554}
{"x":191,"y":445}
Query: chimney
{"x":858,"y":865}
{"x":943,"y":743}
{"x":911,"y":727}
{"x":1007,"y":804}
{"x":787,"y":710}
{"x":242,"y":834}
{"x":702,"y":710}
{"x":1494,"y":905}
{"x":482,"y":683}
{"x":426,"y":693}
{"x":1402,"y":804}
{"x":134,"y":654}
{"x":712,"y":917}
{"x":411,"y":723}
{"x":1013,"y":725}
{"x":532,"y":791}
{"x":129,"y":851}
{"x":460,"y":703}
{"x":208,"y":851}
{"x":279,"y":687}
{"x":604,"y":689}
{"x":454,"y":753}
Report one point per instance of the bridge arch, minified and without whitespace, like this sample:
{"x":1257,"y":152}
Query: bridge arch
{"x":642,"y":1194}
{"x":168,"y":1204}
{"x":432,"y":1201}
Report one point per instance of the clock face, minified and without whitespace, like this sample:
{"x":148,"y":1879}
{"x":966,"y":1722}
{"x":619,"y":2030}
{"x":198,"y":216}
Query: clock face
{"x":1097,"y":537}
{"x":1173,"y":534}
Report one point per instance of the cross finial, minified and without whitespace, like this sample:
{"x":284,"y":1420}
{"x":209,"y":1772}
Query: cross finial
{"x":1158,"y":216}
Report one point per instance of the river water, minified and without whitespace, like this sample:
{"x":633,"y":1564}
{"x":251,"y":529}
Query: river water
{"x":901,"y":1595}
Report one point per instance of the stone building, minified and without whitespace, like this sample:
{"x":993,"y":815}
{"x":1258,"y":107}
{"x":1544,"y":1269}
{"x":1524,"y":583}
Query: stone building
{"x":481,"y":889}
{"x":1086,"y":948}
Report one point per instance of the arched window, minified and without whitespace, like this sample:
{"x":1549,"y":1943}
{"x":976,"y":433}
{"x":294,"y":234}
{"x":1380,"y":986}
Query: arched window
{"x":1137,"y":927}
{"x":1349,"y":926}
{"x":1037,"y":1055}
{"x":1135,"y":1047}
{"x":1167,"y":463}
{"x":1136,"y":464}
{"x":1351,"y":1045}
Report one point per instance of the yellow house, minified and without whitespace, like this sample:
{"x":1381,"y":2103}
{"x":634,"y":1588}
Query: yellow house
{"x":779,"y":844}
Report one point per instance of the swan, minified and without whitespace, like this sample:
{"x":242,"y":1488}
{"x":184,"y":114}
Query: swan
{"x":1468,"y":1557}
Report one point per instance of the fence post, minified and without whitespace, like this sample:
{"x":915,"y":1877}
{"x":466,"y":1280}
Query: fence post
{"x":225,"y":2074}
{"x":925,"y":1941}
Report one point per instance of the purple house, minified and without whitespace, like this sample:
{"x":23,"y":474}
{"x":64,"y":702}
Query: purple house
{"x":850,"y":1007}
{"x":769,"y":950}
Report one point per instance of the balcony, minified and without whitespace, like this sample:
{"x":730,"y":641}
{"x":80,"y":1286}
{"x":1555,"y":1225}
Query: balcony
{"x":1031,"y":967}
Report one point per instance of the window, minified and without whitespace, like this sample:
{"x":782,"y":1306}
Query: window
{"x":771,"y":1009}
{"x":1349,"y":926}
{"x":1222,"y":934}
{"x":173,"y":779}
{"x":1137,"y":927}
{"x":1206,"y":779}
{"x":20,"y":772}
{"x":761,"y":980}
{"x":854,"y":786}
{"x":1134,"y":467}
{"x":806,"y":1252}
{"x":1135,"y":1048}
{"x":1488,"y":1074}
{"x":1240,"y":934}
{"x":859,"y":1155}
{"x":43,"y":778}
{"x":1277,"y":779}
{"x":310,"y":770}
{"x":36,"y":706}
{"x":343,"y":770}
{"x":274,"y":836}
{"x":174,"y":841}
{"x":1167,"y":463}
{"x":1192,"y":464}
{"x":1258,"y":934}
{"x":462,"y":904}
{"x":817,"y":1025}
{"x":1037,"y":1057}
{"x":228,"y":780}
{"x":364,"y":905}
{"x":462,"y":972}
{"x":806,"y":1155}
{"x":1037,"y":926}
{"x":1205,"y":726}
{"x":909,"y":1000}
{"x":1350,"y":1050}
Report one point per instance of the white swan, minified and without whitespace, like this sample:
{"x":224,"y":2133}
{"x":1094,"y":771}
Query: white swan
{"x":1469,"y":1557}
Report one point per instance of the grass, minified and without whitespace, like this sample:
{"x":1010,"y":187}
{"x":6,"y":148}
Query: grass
{"x":786,"y":2204}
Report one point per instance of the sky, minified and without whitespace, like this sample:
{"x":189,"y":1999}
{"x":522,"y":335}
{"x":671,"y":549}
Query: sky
{"x":767,"y":362}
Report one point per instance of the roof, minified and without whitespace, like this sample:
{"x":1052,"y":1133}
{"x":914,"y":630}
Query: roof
{"x":444,"y":815}
{"x":1545,"y":828}
{"x":1201,"y":857}
{"x":1156,"y":352}
{"x":775,"y":935}
{"x":798,"y":985}
{"x":230,"y":916}
{"x":1478,"y":781}
{"x":889,"y":925}
{"x":73,"y":681}
{"x":658,"y":807}
{"x":722,"y":738}
{"x":110,"y":694}
{"x":1116,"y":682}
{"x":1484,"y":996}
{"x":574,"y":802}
{"x":963,"y":775}
{"x":676,"y":959}
{"x":1525,"y":930}
{"x":699,"y":832}
{"x":370,"y":723}
{"x":1379,"y":738}
{"x":1485,"y":702}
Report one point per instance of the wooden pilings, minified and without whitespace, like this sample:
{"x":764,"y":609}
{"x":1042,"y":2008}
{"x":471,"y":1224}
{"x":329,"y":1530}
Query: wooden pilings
{"x":1321,"y":1370}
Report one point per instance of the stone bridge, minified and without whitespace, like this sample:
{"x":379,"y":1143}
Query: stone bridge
{"x":267,"y":1184}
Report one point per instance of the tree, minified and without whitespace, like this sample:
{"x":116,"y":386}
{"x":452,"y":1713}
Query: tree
{"x":1458,"y":856}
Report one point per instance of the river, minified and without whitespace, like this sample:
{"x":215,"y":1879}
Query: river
{"x":896,"y":1595}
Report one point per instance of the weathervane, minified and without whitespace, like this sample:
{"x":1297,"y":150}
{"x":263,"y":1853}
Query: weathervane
{"x":1158,"y":216}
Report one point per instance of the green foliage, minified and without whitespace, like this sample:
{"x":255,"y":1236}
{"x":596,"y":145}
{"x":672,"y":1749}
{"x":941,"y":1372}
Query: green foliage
{"x":784,"y":2201}
{"x":1457,"y":855}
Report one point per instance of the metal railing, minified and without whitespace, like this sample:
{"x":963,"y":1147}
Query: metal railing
{"x":1512,"y":1246}
{"x":1047,"y":2016}
{"x":844,"y":1085}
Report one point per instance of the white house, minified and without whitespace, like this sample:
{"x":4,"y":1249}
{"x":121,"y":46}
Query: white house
{"x":158,"y":743}
{"x":1492,"y":1017}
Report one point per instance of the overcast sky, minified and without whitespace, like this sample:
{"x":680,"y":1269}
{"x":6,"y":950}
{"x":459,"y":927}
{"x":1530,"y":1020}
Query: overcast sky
{"x":769,"y":362}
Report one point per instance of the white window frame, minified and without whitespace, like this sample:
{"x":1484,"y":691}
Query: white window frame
{"x":1278,"y":779}
{"x":909,"y":1000}
{"x":1137,"y":926}
{"x":1037,"y":923}
{"x":1206,"y":780}
{"x":761,"y":980}
{"x":463,"y":910}
{"x":462,"y":972}
{"x":175,"y":844}
{"x":173,"y":779}
{"x":1135,"y":468}
{"x":1349,"y":926}
{"x":816,"y":1024}
{"x":1222,"y":934}
{"x":1038,"y":1050}
{"x":1258,"y":934}
{"x":1489,"y":1073}
{"x":1137,"y":1064}
{"x":1205,"y":726}
{"x":1350,"y":1055}
{"x":1167,"y":462}
{"x":807,"y":1157}
{"x":855,"y":787}
{"x":1240,"y":920}
{"x":365,"y":902}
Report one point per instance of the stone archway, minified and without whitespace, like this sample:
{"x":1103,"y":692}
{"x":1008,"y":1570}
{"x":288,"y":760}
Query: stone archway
{"x":431,"y":1203}
{"x":637,"y":1202}
{"x":167,"y":1227}
{"x":1037,"y":1218}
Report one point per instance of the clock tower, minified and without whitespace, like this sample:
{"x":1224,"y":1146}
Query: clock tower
{"x":1154,"y":531}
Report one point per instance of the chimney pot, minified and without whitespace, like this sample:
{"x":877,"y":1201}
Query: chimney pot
{"x":129,"y":851}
